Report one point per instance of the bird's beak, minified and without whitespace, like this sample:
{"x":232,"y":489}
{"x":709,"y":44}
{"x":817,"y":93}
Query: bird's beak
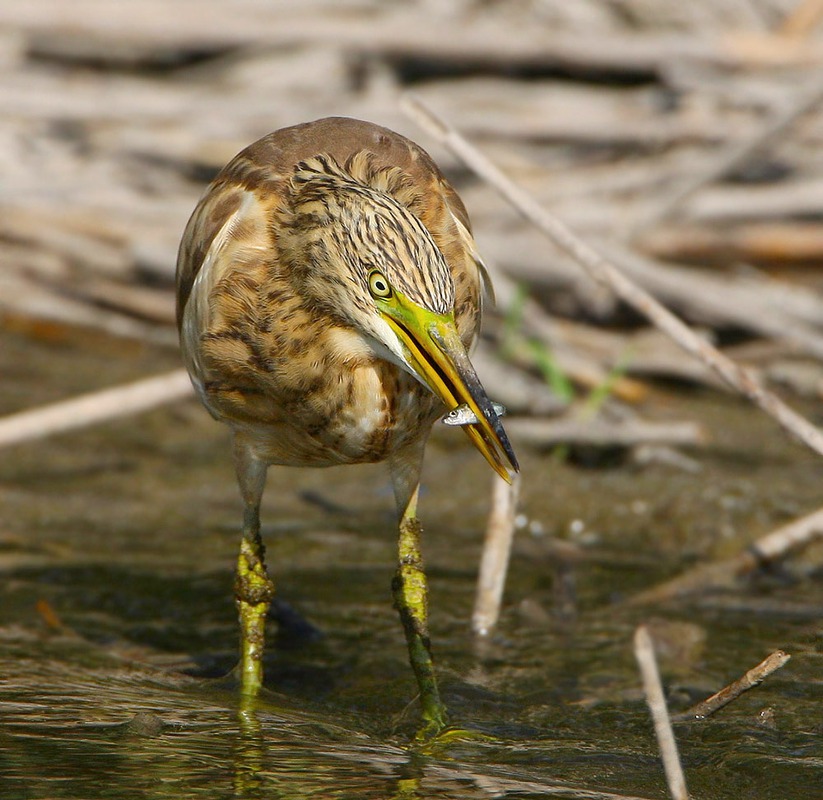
{"x":439,"y":359}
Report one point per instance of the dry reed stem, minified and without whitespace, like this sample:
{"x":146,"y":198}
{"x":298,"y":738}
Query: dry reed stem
{"x":754,"y":677}
{"x":653,"y":689}
{"x":95,"y":407}
{"x":801,"y":21}
{"x":604,"y":433}
{"x":736,"y":155}
{"x":602,"y":270}
{"x":494,"y":561}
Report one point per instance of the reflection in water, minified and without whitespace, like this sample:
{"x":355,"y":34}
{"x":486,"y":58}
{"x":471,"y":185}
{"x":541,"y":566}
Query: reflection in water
{"x":248,"y":756}
{"x":103,"y":526}
{"x":275,"y":769}
{"x":410,"y":778}
{"x":89,"y":727}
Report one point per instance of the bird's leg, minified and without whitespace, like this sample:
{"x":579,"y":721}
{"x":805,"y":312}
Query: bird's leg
{"x":410,"y":591}
{"x":253,"y":590}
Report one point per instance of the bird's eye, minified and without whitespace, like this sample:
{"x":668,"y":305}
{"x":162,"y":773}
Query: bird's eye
{"x":378,"y":285}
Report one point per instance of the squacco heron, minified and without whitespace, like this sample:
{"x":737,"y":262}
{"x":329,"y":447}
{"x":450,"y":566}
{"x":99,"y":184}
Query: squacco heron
{"x":329,"y":290}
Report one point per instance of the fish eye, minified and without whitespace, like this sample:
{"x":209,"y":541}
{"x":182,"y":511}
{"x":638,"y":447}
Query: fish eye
{"x":378,"y":285}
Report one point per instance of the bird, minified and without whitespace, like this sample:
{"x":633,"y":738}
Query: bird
{"x":329,"y":291}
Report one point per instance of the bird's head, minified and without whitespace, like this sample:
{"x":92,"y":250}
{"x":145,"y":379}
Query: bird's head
{"x":371,"y":262}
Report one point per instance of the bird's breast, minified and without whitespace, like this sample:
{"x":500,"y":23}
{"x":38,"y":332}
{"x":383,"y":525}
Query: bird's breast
{"x":363,"y":417}
{"x":311,"y":406}
{"x":378,"y":409}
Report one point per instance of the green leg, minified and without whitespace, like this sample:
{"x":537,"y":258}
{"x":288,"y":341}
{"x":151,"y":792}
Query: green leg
{"x":253,"y":590}
{"x":410,"y":591}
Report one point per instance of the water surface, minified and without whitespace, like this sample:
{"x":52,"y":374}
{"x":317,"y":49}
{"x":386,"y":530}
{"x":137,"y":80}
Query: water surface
{"x":117,"y":626}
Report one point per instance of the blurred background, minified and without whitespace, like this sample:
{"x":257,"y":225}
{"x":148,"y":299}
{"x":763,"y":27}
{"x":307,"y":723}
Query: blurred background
{"x":114,"y":116}
{"x":683,"y":139}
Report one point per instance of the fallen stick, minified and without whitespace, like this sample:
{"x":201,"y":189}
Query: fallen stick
{"x":779,"y":244}
{"x":24,"y":299}
{"x":494,"y":562}
{"x":601,"y":433}
{"x":95,"y":407}
{"x":738,"y":154}
{"x":754,"y":302}
{"x":722,"y":574}
{"x":755,"y":306}
{"x":754,"y":677}
{"x":653,"y":689}
{"x":208,"y":27}
{"x":606,"y":273}
{"x":802,"y":20}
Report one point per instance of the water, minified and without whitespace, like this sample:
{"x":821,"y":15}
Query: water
{"x":117,"y":624}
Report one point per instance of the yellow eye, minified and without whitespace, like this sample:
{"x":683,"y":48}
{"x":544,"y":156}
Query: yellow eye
{"x":378,"y":285}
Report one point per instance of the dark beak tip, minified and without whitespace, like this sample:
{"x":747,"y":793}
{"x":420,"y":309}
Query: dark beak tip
{"x":505,"y":444}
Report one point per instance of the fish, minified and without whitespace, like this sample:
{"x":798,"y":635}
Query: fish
{"x":463,"y":415}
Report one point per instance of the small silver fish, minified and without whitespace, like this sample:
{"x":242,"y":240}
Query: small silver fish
{"x":463,"y":415}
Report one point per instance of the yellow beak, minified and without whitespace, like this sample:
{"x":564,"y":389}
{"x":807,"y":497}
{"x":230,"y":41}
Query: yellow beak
{"x":436,"y":353}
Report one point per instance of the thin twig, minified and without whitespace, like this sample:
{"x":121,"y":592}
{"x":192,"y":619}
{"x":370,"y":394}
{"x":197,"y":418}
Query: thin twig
{"x":720,"y":574}
{"x":754,"y":677}
{"x":653,"y":689}
{"x":495,"y":559}
{"x":95,"y":407}
{"x":606,"y":273}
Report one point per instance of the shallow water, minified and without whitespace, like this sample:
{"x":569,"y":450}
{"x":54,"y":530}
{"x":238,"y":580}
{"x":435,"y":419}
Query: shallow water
{"x":117,"y":547}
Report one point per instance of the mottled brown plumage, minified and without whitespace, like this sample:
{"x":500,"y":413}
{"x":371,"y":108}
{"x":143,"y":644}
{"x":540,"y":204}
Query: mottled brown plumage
{"x":273,"y":362}
{"x":328,"y":290}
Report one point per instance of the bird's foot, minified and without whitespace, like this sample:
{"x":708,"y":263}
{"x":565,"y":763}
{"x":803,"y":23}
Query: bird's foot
{"x":432,"y":739}
{"x":434,"y":723}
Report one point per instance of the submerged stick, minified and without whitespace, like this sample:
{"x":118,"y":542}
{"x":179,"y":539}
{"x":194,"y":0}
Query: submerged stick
{"x":754,"y":677}
{"x":95,"y":407}
{"x":494,"y":562}
{"x":604,"y":271}
{"x":719,"y":574}
{"x":653,"y":689}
